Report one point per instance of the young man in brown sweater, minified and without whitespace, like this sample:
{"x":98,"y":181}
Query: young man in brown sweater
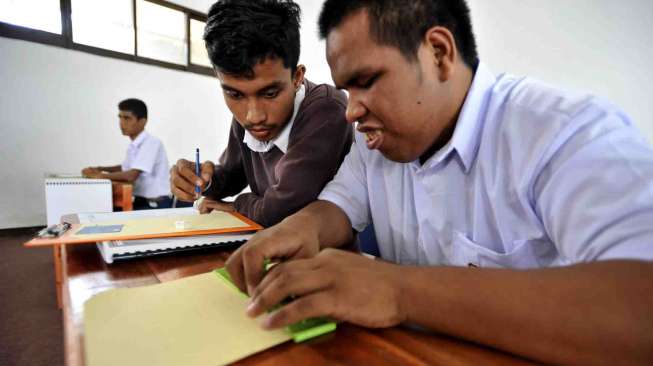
{"x":288,"y":136}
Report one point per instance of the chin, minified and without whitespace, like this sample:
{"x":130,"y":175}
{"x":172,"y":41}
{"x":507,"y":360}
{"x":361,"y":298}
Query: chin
{"x":397,"y":156}
{"x":268,"y":139}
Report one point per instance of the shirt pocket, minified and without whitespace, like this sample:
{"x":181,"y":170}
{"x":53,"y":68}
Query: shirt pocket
{"x":522,"y":254}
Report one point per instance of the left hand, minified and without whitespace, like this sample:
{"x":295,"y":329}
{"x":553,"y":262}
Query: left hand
{"x":209,"y":205}
{"x":341,"y":285}
{"x":91,"y":172}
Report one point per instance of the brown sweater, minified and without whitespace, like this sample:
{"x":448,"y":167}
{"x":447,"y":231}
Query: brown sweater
{"x":281,"y":184}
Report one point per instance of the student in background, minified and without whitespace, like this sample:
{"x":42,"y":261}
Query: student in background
{"x":508,"y":212}
{"x":288,"y":136}
{"x":146,"y":164}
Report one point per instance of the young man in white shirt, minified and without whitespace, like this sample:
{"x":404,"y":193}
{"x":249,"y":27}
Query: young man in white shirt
{"x":509,"y":213}
{"x":146,"y":163}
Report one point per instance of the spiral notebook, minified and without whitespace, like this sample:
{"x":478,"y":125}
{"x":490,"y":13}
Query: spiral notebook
{"x":69,"y":195}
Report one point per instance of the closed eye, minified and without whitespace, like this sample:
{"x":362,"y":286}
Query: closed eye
{"x":270,"y":93}
{"x":367,"y":82}
{"x":232,"y":94}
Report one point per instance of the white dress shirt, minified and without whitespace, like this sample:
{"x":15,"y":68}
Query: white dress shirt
{"x":532,"y":177}
{"x":147,"y":154}
{"x":281,"y":141}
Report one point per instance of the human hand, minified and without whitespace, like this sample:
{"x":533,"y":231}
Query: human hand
{"x":341,"y":285}
{"x":208,"y":205}
{"x":284,"y":241}
{"x":91,"y":172}
{"x":183,"y":179}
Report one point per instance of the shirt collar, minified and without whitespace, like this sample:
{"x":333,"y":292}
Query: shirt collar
{"x":466,"y":136}
{"x":282,"y":140}
{"x":139,"y":139}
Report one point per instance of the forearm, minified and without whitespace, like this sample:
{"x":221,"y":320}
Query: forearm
{"x":597,"y":313}
{"x":128,"y":176}
{"x":110,"y":169}
{"x":325,"y":221}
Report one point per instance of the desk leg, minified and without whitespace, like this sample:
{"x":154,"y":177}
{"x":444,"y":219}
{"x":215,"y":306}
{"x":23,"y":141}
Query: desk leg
{"x":58,"y":276}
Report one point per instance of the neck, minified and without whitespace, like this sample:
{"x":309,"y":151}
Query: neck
{"x":134,"y":136}
{"x":460,"y":89}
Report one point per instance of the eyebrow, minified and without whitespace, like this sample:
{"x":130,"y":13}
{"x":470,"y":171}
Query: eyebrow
{"x":275,"y":84}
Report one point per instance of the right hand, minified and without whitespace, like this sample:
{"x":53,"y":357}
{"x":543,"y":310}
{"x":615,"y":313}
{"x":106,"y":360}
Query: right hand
{"x":183,"y":179}
{"x":284,"y":241}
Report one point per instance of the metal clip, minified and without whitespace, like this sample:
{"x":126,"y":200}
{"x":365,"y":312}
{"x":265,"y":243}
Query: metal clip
{"x":54,"y":231}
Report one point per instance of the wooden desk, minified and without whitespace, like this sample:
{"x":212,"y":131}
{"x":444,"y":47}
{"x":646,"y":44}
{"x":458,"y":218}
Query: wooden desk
{"x":122,"y":196}
{"x":85,"y":274}
{"x":122,"y":199}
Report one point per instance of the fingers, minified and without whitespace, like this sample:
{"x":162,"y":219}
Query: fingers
{"x":317,"y":304}
{"x":253,"y":265}
{"x":209,"y":205}
{"x":279,"y":242}
{"x":187,"y":171}
{"x":296,"y":278}
{"x":235,"y":268}
{"x":205,"y":206}
{"x":183,"y":179}
{"x":207,"y":171}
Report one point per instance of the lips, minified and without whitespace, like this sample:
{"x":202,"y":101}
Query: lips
{"x":374,"y":139}
{"x":260,"y":133}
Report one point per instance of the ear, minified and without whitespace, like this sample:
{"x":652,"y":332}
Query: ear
{"x":298,"y":78}
{"x":442,"y":47}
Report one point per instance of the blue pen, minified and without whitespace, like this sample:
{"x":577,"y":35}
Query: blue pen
{"x":197,"y":168}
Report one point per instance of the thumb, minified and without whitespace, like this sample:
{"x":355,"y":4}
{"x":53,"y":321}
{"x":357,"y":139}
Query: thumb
{"x":207,"y":171}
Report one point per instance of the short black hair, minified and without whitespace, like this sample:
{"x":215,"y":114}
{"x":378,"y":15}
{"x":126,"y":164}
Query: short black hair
{"x":402,"y":23}
{"x":239,"y":34}
{"x":136,"y":106}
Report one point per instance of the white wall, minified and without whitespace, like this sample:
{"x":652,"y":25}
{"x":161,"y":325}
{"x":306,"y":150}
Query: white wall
{"x":60,"y":114}
{"x":599,"y":46}
{"x":59,"y":106}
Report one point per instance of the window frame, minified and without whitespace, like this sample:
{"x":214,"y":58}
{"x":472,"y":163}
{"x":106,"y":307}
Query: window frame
{"x":65,"y":39}
{"x":192,"y":66}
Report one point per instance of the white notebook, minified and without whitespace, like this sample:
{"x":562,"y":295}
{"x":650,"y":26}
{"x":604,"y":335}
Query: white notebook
{"x":65,"y":196}
{"x":127,"y":249}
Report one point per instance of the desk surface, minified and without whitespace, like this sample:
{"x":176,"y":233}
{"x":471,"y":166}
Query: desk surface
{"x":85,"y":274}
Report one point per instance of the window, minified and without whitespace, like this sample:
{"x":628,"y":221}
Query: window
{"x":161,"y":32}
{"x":44,"y":15}
{"x":155,"y":32}
{"x":107,"y":24}
{"x":198,"y":54}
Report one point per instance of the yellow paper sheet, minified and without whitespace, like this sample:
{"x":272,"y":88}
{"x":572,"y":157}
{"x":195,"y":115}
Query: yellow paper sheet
{"x":193,"y":321}
{"x":158,"y":225}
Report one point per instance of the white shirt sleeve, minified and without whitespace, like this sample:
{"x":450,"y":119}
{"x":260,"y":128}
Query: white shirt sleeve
{"x":595,"y":193}
{"x":348,"y":189}
{"x":145,"y":158}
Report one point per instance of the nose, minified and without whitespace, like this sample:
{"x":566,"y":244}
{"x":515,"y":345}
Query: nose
{"x":255,"y":113}
{"x":355,"y":109}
